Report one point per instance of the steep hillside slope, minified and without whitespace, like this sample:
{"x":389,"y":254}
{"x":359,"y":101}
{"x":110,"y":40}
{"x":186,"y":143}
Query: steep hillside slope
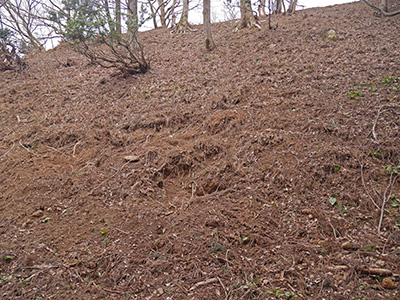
{"x":256,"y":171}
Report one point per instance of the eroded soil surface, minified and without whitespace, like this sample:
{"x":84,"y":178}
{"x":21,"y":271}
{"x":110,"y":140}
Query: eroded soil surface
{"x":257,"y":171}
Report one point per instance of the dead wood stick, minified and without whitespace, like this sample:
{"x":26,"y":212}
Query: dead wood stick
{"x":73,"y":152}
{"x":376,"y":121}
{"x":337,"y":268}
{"x":365,"y":186}
{"x":386,"y":197}
{"x":120,"y":230}
{"x":223,"y":287}
{"x":376,"y":271}
{"x":12,"y":147}
{"x":43,"y":267}
{"x":208,"y":281}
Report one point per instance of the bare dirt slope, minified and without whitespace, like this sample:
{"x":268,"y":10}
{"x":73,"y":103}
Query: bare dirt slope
{"x":252,"y":166}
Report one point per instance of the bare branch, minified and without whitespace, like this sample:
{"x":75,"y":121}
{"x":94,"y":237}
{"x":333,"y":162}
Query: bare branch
{"x":381,"y":11}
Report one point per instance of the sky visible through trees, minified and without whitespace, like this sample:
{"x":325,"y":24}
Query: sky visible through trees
{"x":218,"y":13}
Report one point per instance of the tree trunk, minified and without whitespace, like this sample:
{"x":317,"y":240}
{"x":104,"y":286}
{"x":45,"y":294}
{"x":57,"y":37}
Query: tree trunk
{"x":207,"y":25}
{"x":383,"y":5}
{"x":153,"y":14}
{"x":173,"y":18}
{"x":133,"y":27}
{"x":183,"y":23}
{"x":132,"y":16}
{"x":278,"y":7}
{"x":261,"y":9}
{"x":247,"y":18}
{"x":161,"y":5}
{"x":185,"y":13}
{"x":118,"y":16}
{"x":292,"y":6}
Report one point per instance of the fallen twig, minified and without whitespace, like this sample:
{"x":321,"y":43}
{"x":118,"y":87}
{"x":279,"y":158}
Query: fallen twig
{"x":365,"y":187}
{"x":208,"y":281}
{"x":223,"y":287}
{"x":376,"y":271}
{"x":376,"y":121}
{"x":120,"y":230}
{"x":73,"y":152}
{"x":12,"y":147}
{"x":43,"y":267}
{"x":25,"y":148}
{"x":386,"y":197}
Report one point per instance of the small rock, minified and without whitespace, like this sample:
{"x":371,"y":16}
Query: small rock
{"x":337,"y":268}
{"x":380,"y":263}
{"x":271,"y":46}
{"x":388,"y":283}
{"x":37,"y":214}
{"x":331,"y":35}
{"x":160,"y":291}
{"x":26,"y":223}
{"x":350,"y":246}
{"x":132,"y":158}
{"x":213,"y":223}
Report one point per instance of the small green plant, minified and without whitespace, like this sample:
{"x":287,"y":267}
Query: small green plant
{"x":355,"y":94}
{"x":373,"y":89}
{"x":290,"y":295}
{"x":278,"y":294}
{"x":392,"y":169}
{"x":6,"y":278}
{"x":246,"y":240}
{"x":104,"y":233}
{"x":7,"y":258}
{"x":332,"y":201}
{"x":375,"y":154}
{"x":342,"y":208}
{"x":369,"y":247}
{"x":216,"y":246}
{"x":395,"y":201}
{"x":388,"y":80}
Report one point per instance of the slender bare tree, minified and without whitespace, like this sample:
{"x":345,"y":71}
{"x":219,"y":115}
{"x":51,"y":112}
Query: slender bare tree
{"x":210,"y":45}
{"x":118,"y":16}
{"x":20,"y":16}
{"x":261,"y":8}
{"x":183,"y":23}
{"x":292,"y":6}
{"x":163,"y":10}
{"x":161,"y":7}
{"x":278,"y":6}
{"x":133,"y":14}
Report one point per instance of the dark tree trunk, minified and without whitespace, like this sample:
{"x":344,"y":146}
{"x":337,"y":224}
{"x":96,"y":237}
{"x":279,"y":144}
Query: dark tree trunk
{"x":118,"y":16}
{"x":207,"y":25}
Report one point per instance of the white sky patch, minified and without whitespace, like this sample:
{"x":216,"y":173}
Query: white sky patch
{"x":318,"y":3}
{"x":218,"y":11}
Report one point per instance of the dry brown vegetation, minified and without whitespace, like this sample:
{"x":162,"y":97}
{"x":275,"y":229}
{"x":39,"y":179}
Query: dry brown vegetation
{"x":236,"y":159}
